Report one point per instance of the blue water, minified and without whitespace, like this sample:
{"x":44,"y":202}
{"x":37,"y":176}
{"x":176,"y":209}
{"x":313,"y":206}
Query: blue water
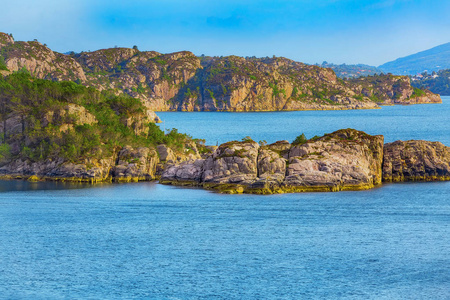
{"x":420,"y":122}
{"x":149,"y":241}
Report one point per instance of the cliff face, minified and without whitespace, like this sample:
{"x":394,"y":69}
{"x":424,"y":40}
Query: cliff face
{"x":416,"y":161}
{"x":344,"y":160}
{"x":150,"y":76}
{"x":181,"y":81}
{"x":239,"y":84}
{"x":127,"y":165}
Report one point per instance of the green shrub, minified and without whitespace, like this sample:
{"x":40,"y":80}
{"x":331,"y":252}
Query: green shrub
{"x":300,"y":140}
{"x":5,"y":151}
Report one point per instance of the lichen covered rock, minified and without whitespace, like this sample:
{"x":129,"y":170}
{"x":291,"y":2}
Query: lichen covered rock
{"x":135,"y":164}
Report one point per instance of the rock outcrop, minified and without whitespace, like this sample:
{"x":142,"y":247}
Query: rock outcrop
{"x":416,"y":161}
{"x":135,"y":164}
{"x":344,"y":160}
{"x":126,"y":165}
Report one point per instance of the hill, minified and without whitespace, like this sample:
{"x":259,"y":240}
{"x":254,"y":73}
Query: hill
{"x":434,"y":59}
{"x":185,"y":82}
{"x":67,"y":131}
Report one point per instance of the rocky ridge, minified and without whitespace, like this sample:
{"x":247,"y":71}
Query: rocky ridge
{"x":181,"y":81}
{"x":343,"y":160}
{"x":127,"y":164}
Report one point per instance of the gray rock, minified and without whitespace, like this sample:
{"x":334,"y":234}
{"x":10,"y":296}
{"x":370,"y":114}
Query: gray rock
{"x":345,"y":159}
{"x":416,"y":160}
{"x":165,"y":153}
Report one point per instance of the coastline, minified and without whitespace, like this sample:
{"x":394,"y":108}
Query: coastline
{"x":345,"y":160}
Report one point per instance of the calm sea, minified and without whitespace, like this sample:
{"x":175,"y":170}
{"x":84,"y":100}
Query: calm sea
{"x":149,"y":241}
{"x":426,"y":122}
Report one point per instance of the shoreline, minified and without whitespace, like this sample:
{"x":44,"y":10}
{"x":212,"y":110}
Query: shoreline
{"x":224,"y":188}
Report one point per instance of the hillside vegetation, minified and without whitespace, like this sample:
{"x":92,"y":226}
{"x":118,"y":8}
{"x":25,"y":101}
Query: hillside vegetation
{"x":42,"y":119}
{"x":437,"y":82}
{"x":185,"y":82}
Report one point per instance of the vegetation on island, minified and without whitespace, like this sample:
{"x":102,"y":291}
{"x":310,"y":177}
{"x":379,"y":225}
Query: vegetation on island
{"x":37,"y":124}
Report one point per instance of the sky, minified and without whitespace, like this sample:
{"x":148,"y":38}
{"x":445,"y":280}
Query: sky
{"x":311,"y":31}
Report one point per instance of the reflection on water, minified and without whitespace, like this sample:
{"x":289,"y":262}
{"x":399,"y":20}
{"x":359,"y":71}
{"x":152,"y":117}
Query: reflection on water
{"x":23,"y":185}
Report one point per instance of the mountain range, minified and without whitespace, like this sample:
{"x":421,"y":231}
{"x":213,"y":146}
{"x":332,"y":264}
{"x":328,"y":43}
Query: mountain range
{"x":434,"y":59}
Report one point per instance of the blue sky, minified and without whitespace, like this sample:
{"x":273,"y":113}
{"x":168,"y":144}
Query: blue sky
{"x":338,"y":31}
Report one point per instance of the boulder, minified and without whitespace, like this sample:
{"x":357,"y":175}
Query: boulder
{"x":165,"y":153}
{"x":186,"y":173}
{"x":232,"y":163}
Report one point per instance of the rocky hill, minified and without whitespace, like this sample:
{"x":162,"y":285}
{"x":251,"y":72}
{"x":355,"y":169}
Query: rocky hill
{"x":62,"y":130}
{"x":182,"y":81}
{"x":392,"y":89}
{"x":433,"y":59}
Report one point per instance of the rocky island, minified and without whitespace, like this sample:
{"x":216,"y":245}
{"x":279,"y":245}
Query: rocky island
{"x":343,"y":160}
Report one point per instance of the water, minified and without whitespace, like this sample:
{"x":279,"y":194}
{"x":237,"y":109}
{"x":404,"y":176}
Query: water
{"x":420,"y":122}
{"x":151,"y":241}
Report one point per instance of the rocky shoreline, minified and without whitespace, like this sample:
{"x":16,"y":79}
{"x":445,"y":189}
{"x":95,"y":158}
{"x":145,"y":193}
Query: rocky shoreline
{"x":340,"y":161}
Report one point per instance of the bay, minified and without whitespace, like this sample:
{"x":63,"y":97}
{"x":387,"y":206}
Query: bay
{"x":150,"y":241}
{"x":420,"y":122}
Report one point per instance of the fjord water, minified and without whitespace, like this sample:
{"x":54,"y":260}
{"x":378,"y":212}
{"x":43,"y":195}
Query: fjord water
{"x":151,"y":241}
{"x":418,"y":122}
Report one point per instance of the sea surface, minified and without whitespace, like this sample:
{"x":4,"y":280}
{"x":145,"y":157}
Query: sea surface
{"x":150,"y":241}
{"x":420,"y":122}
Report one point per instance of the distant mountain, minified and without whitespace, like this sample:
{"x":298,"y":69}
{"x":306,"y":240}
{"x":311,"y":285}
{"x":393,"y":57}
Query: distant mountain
{"x":434,"y":59}
{"x":351,"y":71}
